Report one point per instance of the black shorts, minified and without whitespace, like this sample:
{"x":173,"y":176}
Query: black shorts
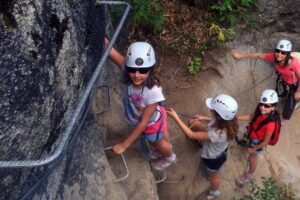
{"x":213,"y":165}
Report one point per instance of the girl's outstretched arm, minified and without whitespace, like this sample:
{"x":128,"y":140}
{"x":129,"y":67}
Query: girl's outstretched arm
{"x":202,"y":118}
{"x":193,"y":135}
{"x":237,"y":55}
{"x":246,"y":118}
{"x":137,"y":131}
{"x":114,"y":55}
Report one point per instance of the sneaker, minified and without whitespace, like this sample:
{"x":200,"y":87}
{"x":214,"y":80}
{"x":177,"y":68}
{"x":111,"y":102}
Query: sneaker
{"x":296,"y":106}
{"x":245,"y":179}
{"x":163,"y":163}
{"x":213,"y":194}
{"x":209,"y":195}
{"x":155,"y":154}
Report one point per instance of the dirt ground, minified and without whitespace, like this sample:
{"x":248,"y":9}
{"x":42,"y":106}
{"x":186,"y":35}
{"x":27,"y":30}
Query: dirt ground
{"x":187,"y":94}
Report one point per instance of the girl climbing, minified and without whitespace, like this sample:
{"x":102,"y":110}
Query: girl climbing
{"x":260,"y":137}
{"x":288,"y":70}
{"x":221,"y":128}
{"x":143,"y":95}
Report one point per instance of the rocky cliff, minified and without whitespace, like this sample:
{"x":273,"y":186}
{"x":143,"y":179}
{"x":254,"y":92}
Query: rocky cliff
{"x":48,"y":52}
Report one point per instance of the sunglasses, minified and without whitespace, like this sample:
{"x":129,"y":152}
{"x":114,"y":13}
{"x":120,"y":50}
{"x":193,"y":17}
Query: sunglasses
{"x":265,"y":105}
{"x":279,"y":51}
{"x":140,"y":70}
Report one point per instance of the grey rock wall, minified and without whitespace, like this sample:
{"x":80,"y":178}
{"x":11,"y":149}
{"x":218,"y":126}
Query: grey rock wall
{"x":84,"y":173}
{"x":276,"y":20}
{"x":48,"y":51}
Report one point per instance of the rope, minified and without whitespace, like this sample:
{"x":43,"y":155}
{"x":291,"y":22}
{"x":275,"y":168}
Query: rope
{"x":258,"y":83}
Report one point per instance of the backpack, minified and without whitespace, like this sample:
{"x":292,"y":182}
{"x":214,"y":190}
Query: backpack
{"x":296,"y":55}
{"x":275,"y":134}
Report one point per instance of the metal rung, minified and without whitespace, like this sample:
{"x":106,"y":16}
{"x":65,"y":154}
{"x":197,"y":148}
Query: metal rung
{"x":125,"y":165}
{"x":164,"y":177}
{"x":108,"y":98}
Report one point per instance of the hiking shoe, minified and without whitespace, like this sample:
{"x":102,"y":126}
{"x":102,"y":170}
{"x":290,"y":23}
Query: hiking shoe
{"x":296,"y":106}
{"x":208,"y":195}
{"x":245,"y":179}
{"x":213,"y":194}
{"x":163,"y":163}
{"x":155,"y":154}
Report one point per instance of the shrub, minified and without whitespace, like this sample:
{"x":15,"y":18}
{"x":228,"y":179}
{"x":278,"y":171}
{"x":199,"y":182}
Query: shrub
{"x":149,"y":14}
{"x":222,"y":34}
{"x":146,"y":13}
{"x":233,"y":11}
{"x":270,"y":191}
{"x":194,"y":66}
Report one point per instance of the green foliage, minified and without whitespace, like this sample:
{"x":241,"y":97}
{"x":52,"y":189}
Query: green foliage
{"x":149,"y":14}
{"x":270,"y":191}
{"x":146,"y":13}
{"x":233,"y":11}
{"x":194,"y":66}
{"x":222,"y":34}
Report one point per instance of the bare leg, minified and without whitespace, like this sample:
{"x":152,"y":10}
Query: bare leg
{"x":215,"y":180}
{"x":253,"y":163}
{"x":163,"y":146}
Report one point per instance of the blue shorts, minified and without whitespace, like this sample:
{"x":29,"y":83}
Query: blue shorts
{"x":213,"y":165}
{"x":256,"y":142}
{"x":154,"y":137}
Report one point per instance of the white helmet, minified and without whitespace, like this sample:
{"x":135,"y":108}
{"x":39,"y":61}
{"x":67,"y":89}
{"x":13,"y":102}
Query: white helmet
{"x":224,"y":105}
{"x":284,"y":45}
{"x":140,"y":55}
{"x":269,"y":96}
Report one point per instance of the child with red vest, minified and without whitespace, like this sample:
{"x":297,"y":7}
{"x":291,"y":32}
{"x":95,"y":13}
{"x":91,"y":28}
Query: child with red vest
{"x":260,"y":137}
{"x":288,"y":69}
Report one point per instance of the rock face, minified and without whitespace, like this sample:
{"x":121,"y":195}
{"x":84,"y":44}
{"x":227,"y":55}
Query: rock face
{"x":48,"y":51}
{"x":84,"y":173}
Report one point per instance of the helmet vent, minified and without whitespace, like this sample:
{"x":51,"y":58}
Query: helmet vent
{"x":148,"y":52}
{"x":264,"y":99}
{"x":221,"y":102}
{"x":139,"y":61}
